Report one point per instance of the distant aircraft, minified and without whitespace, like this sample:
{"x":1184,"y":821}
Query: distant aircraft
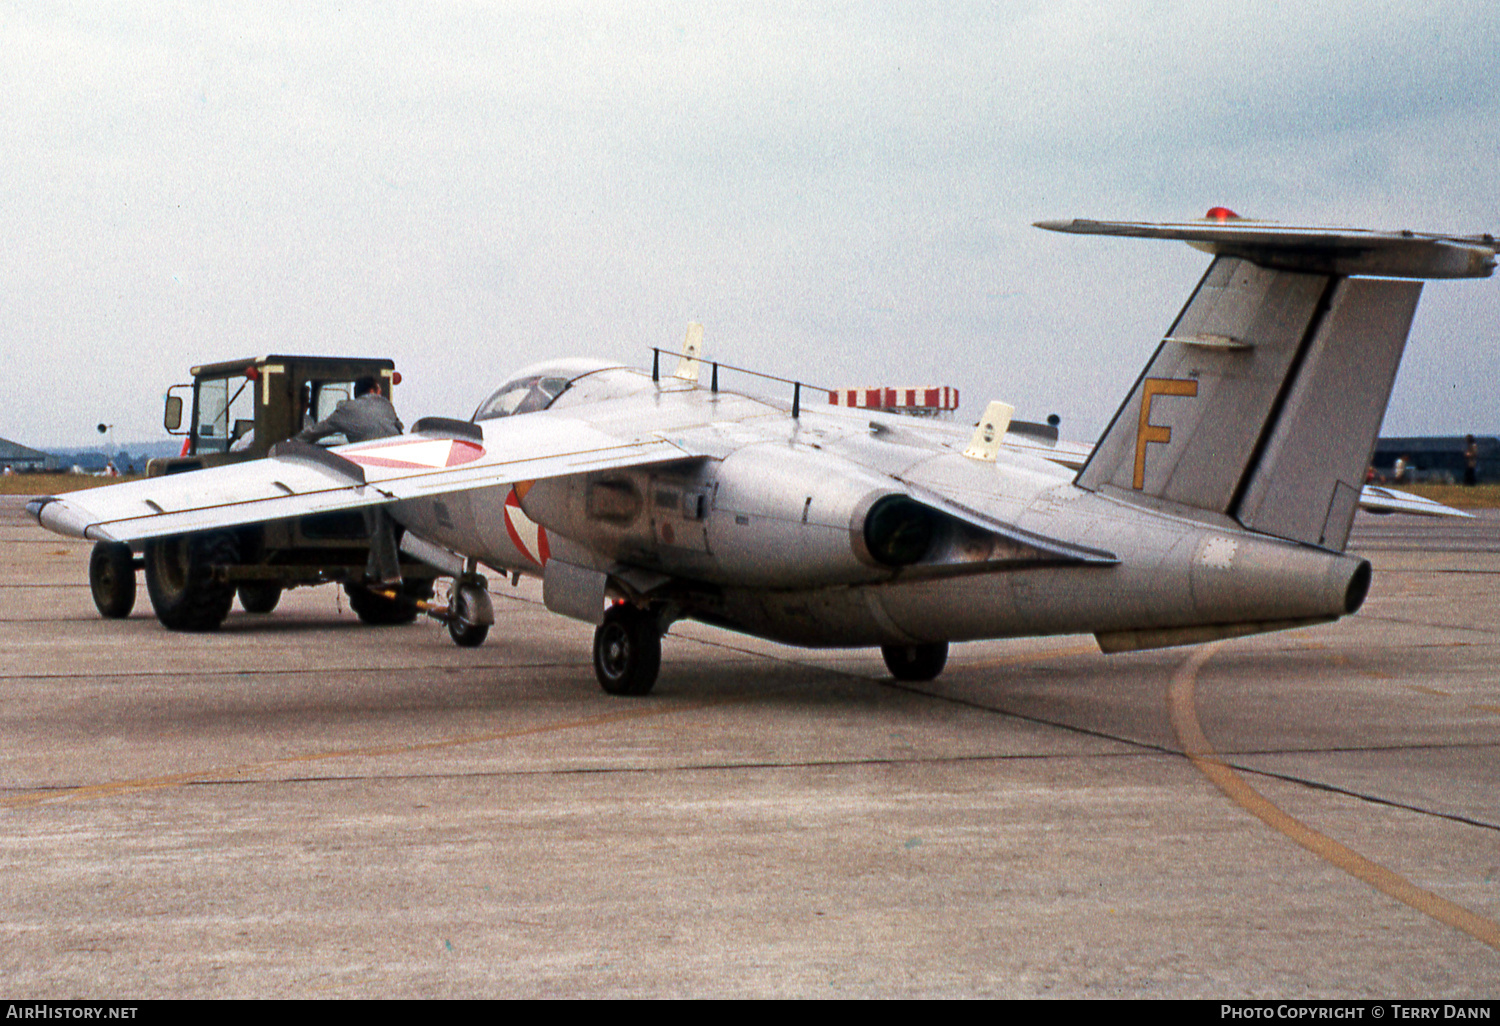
{"x":1217,"y":503}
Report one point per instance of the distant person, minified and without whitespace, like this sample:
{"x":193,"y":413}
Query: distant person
{"x":368,"y":415}
{"x":1471,"y":461}
{"x":1398,"y":472}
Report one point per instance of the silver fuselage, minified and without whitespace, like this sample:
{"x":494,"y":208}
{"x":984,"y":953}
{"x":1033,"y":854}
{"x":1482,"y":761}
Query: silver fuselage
{"x":764,"y":534}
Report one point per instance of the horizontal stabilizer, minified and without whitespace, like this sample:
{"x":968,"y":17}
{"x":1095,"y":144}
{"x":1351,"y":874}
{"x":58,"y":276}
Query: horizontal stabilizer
{"x":1342,"y":251}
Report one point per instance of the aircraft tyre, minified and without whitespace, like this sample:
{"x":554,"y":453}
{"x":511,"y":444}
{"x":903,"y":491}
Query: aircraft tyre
{"x":112,"y":579}
{"x":468,"y":635}
{"x":915,"y":662}
{"x":259,"y":596}
{"x":180,"y":580}
{"x":379,"y":610}
{"x":470,"y":612}
{"x":627,"y":651}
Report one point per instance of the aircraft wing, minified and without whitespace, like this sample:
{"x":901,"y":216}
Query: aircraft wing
{"x":1380,"y":499}
{"x":299,"y":479}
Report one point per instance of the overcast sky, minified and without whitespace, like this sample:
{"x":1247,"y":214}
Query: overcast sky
{"x":839,"y":192}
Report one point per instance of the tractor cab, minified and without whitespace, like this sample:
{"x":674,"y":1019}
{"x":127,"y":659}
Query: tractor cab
{"x":238,"y":409}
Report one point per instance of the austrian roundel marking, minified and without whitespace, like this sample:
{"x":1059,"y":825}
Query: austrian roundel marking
{"x":416,"y":453}
{"x":529,"y":537}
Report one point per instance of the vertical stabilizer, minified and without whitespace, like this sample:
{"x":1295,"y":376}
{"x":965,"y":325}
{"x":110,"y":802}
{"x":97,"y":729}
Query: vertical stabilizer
{"x":1263,"y":401}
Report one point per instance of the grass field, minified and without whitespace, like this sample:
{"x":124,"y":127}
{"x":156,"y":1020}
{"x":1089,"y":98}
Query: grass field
{"x":53,"y":484}
{"x":1485,"y":496}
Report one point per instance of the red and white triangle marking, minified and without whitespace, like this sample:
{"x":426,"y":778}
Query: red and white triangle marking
{"x":416,"y":453}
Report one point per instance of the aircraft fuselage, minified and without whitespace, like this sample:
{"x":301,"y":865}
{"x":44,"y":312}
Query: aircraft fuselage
{"x":769,"y":535}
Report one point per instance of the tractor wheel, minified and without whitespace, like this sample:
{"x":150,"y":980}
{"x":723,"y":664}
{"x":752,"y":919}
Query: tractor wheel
{"x":259,"y":596}
{"x":381,"y":610}
{"x":627,"y":651}
{"x":915,"y":662}
{"x":112,"y":579}
{"x":180,"y":580}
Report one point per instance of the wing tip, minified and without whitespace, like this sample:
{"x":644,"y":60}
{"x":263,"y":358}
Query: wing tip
{"x":62,"y":517}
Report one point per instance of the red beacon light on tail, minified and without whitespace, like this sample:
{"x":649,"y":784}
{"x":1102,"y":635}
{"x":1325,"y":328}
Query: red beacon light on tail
{"x":1220,"y":214}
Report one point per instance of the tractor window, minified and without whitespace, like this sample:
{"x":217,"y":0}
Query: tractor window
{"x":222,"y":403}
{"x":320,"y":399}
{"x":326,"y":398}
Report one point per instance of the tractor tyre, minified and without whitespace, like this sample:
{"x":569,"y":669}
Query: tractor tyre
{"x":112,"y":579}
{"x":915,"y":662}
{"x":259,"y":596}
{"x":381,"y":610}
{"x":180,"y":580}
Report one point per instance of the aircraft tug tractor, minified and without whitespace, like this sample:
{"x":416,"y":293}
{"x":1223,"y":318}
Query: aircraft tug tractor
{"x":237,"y":411}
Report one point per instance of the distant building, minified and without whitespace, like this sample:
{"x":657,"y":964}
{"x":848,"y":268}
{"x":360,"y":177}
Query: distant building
{"x":1437,"y":459}
{"x":20,"y":458}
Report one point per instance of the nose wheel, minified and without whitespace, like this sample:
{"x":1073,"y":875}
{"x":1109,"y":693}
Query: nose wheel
{"x":469,"y":612}
{"x":627,"y":650}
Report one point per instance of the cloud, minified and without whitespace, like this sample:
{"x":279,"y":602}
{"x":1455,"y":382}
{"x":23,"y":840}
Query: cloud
{"x":840,"y":189}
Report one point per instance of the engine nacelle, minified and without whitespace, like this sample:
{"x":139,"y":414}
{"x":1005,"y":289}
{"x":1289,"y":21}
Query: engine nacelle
{"x":766,"y":516}
{"x":793,"y":518}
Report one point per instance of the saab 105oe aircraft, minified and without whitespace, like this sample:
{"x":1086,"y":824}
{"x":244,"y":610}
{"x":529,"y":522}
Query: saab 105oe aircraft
{"x":1216,"y":504}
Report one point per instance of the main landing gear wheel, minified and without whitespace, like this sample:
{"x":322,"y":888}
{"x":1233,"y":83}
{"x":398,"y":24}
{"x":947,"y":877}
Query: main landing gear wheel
{"x":112,"y":579}
{"x":915,"y":662}
{"x":259,"y":596}
{"x":627,"y":651}
{"x":180,"y":580}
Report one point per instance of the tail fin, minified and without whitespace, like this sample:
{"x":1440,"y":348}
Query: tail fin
{"x":1264,"y":400}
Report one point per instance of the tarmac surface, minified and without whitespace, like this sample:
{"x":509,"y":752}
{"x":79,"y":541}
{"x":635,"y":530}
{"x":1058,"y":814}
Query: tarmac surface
{"x":301,"y":806}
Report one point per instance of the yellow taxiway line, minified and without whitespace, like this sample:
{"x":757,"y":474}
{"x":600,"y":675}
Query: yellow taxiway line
{"x":1182,"y":706}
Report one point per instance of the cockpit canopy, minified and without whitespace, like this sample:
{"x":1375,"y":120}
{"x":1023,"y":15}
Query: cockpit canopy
{"x":535,"y":387}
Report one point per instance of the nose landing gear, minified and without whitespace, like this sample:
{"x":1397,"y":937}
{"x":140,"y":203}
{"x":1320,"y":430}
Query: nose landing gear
{"x":470,"y":611}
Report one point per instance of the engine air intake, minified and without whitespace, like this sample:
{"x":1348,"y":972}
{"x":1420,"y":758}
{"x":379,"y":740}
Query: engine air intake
{"x":899,"y":530}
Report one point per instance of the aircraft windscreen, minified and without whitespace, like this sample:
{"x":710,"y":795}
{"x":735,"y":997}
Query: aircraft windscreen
{"x":523,"y":395}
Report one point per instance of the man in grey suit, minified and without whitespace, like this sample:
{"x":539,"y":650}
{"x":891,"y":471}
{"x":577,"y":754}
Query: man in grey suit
{"x":368,"y":415}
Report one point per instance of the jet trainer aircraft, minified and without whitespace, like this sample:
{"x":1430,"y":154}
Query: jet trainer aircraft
{"x":1217,"y":503}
